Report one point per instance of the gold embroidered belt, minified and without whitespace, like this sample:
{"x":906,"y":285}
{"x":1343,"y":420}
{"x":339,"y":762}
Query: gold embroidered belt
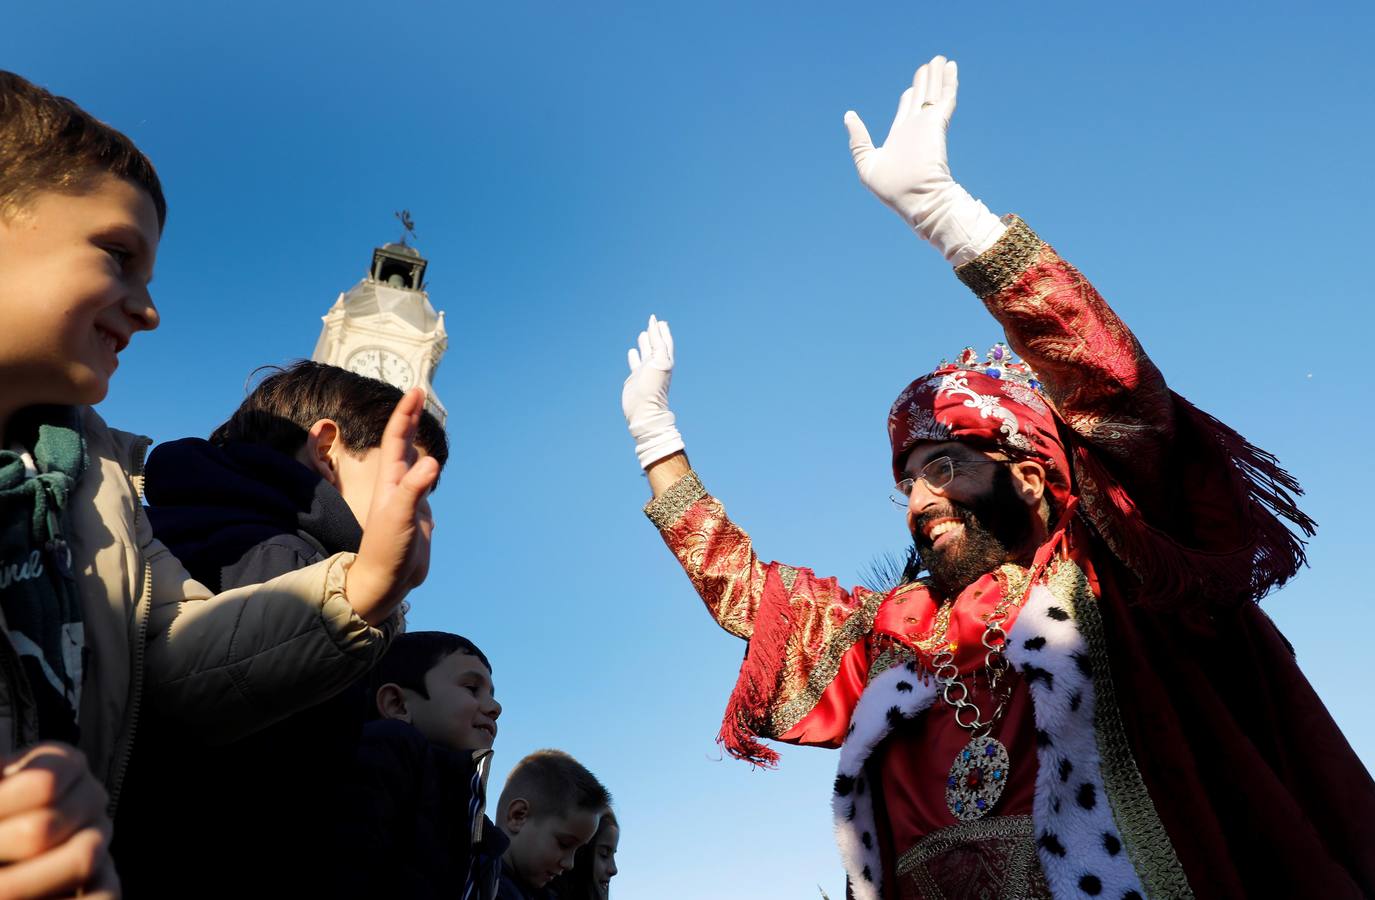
{"x":989,"y":859}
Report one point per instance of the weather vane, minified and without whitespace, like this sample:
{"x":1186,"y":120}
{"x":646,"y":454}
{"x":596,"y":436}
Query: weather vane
{"x":408,"y":224}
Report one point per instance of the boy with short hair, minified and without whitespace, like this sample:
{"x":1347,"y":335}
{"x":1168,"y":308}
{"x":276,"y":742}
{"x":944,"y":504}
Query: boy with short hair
{"x":550,"y":806}
{"x":90,"y":600}
{"x":415,"y":802}
{"x":284,"y":483}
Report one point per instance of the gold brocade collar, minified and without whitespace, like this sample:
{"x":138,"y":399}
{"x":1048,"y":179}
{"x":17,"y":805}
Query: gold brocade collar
{"x":912,"y":623}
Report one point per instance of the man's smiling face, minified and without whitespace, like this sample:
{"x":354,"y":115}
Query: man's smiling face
{"x":970,"y":526}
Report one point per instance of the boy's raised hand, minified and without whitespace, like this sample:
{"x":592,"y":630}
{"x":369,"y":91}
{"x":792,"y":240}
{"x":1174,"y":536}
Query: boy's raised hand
{"x":395,"y":552}
{"x":54,"y":829}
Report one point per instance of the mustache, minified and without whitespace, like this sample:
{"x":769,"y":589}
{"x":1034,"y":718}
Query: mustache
{"x":950,"y":511}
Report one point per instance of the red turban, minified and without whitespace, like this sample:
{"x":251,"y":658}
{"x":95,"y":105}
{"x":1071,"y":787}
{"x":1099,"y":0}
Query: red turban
{"x":994,"y":405}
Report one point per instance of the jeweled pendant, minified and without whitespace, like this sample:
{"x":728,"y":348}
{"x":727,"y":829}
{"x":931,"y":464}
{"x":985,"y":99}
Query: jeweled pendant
{"x":977,"y":779}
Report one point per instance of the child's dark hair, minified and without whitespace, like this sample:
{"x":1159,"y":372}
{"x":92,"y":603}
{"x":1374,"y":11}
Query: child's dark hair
{"x":554,"y":783}
{"x":281,"y":409}
{"x":48,"y":143}
{"x":414,"y":653}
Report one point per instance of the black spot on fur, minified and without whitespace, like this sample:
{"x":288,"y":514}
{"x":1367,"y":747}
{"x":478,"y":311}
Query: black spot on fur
{"x":850,"y":730}
{"x":867,"y":840}
{"x":850,"y":813}
{"x":1074,"y":701}
{"x":1057,"y":613}
{"x":1065,"y":768}
{"x":1091,"y":885}
{"x":1042,"y":738}
{"x":1051,"y":844}
{"x":905,"y":686}
{"x":1035,"y":673}
{"x":1087,"y":795}
{"x":912,"y":666}
{"x":1035,"y":643}
{"x":1084,"y":663}
{"x":1131,"y":895}
{"x":867,"y":876}
{"x":1055,"y":805}
{"x":844,"y":784}
{"x":894,"y":717}
{"x":1111,"y":843}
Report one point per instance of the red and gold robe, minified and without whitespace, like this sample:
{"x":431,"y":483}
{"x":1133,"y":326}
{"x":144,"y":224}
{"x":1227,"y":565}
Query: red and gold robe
{"x":1163,"y":742}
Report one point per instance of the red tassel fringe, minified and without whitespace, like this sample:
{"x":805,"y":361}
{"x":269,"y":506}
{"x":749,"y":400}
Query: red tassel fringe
{"x":757,"y":687}
{"x":1267,"y":556}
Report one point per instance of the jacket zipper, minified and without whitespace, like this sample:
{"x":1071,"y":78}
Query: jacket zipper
{"x":143,"y":605}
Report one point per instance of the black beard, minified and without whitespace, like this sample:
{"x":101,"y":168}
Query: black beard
{"x":997,"y":526}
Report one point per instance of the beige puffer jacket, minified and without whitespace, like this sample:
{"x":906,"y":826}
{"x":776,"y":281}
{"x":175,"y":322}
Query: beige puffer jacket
{"x":225,"y":665}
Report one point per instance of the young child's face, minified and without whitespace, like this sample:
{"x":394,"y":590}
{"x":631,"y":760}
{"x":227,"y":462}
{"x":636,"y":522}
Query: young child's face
{"x":542,"y":847}
{"x":461,"y":711}
{"x":604,"y":858}
{"x":74,"y":273}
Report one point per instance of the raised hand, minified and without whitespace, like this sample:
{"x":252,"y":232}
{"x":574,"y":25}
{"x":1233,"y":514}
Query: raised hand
{"x":911,"y":174}
{"x":54,"y":830}
{"x":394,"y":555}
{"x":644,"y":397}
{"x":911,"y":165}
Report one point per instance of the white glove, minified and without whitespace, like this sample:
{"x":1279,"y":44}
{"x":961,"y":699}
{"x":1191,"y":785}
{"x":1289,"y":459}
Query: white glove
{"x":910,"y":173}
{"x":644,"y":398}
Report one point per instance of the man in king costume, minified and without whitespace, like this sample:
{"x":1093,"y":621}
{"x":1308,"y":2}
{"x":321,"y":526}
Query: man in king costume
{"x":1081,"y":696}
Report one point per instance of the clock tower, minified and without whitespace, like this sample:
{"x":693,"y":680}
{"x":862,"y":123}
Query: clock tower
{"x":384,"y":326}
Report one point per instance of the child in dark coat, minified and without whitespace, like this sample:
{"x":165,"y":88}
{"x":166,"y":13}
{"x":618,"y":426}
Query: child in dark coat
{"x":284,"y":483}
{"x":414,"y":804}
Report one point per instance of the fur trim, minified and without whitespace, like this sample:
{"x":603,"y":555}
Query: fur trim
{"x":901,"y":692}
{"x":1078,"y":842}
{"x":1080,"y":846}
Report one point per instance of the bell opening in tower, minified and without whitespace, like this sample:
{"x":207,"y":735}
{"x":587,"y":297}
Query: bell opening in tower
{"x":397,"y":273}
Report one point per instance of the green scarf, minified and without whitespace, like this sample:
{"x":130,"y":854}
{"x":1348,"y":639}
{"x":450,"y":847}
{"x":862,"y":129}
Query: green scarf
{"x":38,"y":593}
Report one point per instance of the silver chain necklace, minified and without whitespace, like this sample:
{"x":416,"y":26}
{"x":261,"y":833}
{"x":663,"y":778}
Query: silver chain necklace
{"x":980,"y":771}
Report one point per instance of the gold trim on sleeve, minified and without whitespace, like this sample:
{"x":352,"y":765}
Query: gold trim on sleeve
{"x":666,"y":509}
{"x":787,"y":575}
{"x":1004,"y":262}
{"x":784,"y":716}
{"x":894,"y":654}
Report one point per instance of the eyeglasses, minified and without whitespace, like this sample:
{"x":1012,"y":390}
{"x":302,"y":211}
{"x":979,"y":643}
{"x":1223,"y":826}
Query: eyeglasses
{"x":938,"y":473}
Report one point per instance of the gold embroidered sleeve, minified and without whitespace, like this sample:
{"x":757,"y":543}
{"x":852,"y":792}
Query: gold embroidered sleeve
{"x":1004,"y":262}
{"x":1091,"y":366}
{"x":716,"y":553}
{"x":831,"y":622}
{"x":667,"y":508}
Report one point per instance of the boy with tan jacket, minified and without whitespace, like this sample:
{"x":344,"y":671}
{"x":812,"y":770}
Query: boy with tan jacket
{"x":98,"y":618}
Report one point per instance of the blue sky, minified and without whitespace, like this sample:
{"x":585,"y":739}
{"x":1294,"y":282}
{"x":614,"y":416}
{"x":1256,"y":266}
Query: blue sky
{"x":572,"y":168}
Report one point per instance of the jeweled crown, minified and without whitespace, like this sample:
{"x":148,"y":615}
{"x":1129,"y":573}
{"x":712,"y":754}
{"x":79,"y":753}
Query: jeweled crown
{"x":999,"y":363}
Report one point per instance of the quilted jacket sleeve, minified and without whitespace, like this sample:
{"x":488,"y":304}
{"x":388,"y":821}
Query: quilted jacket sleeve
{"x":226,"y":665}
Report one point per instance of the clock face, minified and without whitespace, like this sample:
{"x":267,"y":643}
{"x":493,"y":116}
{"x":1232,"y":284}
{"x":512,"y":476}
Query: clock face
{"x":383,"y":365}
